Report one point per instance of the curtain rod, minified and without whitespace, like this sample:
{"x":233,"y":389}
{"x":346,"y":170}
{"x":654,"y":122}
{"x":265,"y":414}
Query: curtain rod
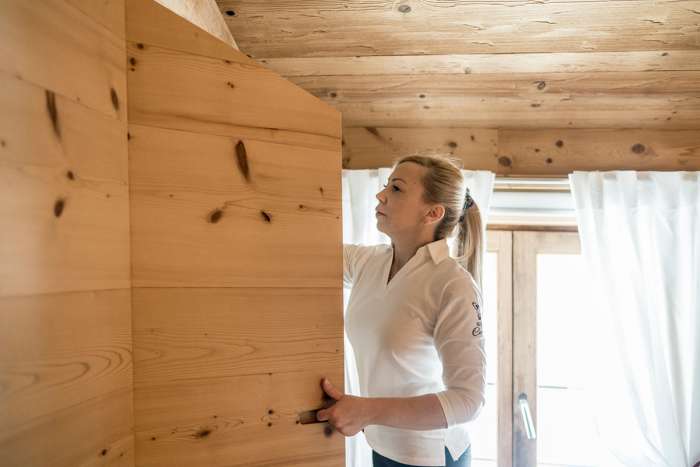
{"x":531,"y":184}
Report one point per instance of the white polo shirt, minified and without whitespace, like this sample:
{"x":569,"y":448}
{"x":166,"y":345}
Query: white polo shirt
{"x":420,"y":333}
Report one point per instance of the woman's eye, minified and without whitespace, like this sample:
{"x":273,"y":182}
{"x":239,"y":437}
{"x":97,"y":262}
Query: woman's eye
{"x":393,"y":186}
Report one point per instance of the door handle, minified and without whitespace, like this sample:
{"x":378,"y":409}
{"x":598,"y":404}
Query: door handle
{"x":310,"y":415}
{"x":527,"y":416}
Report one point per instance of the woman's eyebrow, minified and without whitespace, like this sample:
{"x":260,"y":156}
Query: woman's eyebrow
{"x":400,"y":179}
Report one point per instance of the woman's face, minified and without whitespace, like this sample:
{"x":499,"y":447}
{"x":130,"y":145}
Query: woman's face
{"x":401,"y":208}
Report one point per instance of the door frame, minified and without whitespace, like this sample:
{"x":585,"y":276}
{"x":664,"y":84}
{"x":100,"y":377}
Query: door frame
{"x":501,"y":242}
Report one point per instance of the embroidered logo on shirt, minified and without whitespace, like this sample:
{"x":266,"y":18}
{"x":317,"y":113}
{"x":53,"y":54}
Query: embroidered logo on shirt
{"x":477,"y":330}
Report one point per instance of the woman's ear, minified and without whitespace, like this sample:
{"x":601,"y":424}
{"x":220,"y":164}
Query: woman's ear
{"x":435,"y":214}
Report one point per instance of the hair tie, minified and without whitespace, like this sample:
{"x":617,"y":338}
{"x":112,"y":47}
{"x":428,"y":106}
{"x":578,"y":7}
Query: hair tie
{"x":468,"y":201}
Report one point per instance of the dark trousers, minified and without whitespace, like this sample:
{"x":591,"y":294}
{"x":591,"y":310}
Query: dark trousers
{"x":464,"y":460}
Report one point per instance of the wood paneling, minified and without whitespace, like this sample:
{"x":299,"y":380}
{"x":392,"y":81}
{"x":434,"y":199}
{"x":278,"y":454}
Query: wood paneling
{"x":66,"y":379}
{"x":63,"y":182}
{"x":279,"y":28}
{"x":516,"y":63}
{"x":222,"y":87}
{"x":225,"y":332}
{"x":197,"y":221}
{"x":526,"y":100}
{"x":559,"y":152}
{"x":223,"y":374}
{"x":236,"y":253}
{"x":544,"y":152}
{"x":66,"y":372}
{"x":58,"y":47}
{"x":178,"y":33}
{"x":509,"y":65}
{"x":370,"y":147}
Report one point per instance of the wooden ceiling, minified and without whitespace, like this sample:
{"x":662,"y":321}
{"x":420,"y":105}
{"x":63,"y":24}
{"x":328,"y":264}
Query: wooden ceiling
{"x":406,"y":66}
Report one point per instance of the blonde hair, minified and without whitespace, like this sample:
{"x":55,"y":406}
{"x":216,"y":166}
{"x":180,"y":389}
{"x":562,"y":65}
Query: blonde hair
{"x":444,"y":184}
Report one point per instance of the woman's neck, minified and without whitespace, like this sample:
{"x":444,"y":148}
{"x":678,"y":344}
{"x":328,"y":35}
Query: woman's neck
{"x":405,"y":249}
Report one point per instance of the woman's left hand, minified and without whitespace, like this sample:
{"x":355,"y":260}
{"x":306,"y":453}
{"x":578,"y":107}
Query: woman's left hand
{"x":349,"y":414}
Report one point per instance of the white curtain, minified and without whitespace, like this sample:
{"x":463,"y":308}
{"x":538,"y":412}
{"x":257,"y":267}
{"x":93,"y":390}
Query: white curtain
{"x":360,"y":226}
{"x":640,"y":242}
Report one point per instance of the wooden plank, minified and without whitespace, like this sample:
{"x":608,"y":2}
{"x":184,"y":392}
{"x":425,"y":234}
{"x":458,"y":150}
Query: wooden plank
{"x":222,"y":375}
{"x":227,"y":422}
{"x":662,"y":100}
{"x":371,"y":88}
{"x":489,"y":64}
{"x":66,"y":377}
{"x":189,"y":334}
{"x":56,"y":46}
{"x":378,"y":147}
{"x":559,"y":152}
{"x":196,"y":220}
{"x":246,"y":364}
{"x":63,"y":186}
{"x":149,"y":22}
{"x":219,"y":92}
{"x":204,"y":14}
{"x":290,"y":330}
{"x":279,"y":28}
{"x":543,"y":152}
{"x":618,"y":112}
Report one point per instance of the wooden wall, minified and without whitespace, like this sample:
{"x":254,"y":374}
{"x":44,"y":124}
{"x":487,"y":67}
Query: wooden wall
{"x":66,"y":373}
{"x":236,"y":253}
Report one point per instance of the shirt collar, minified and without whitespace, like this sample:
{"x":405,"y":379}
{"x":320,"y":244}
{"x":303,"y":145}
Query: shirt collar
{"x":438,"y":250}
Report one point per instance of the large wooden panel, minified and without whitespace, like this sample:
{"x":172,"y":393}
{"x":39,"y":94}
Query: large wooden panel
{"x":197,"y":220}
{"x":66,"y":372}
{"x":235,"y":186}
{"x":222,"y":375}
{"x":63,"y":194}
{"x":66,"y":380}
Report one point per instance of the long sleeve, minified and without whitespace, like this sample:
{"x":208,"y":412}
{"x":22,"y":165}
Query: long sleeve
{"x":353,"y":256}
{"x":459,"y":341}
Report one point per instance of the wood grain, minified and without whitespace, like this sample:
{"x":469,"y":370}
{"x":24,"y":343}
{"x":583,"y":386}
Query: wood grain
{"x":63,"y":182}
{"x":55,"y":46}
{"x":536,"y":152}
{"x":321,"y":28}
{"x":66,"y":379}
{"x":196,"y":221}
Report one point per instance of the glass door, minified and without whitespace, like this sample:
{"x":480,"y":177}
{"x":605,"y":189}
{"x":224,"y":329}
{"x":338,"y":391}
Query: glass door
{"x":552,"y":425}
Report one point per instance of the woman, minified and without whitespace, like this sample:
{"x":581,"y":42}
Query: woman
{"x":414,"y":322}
